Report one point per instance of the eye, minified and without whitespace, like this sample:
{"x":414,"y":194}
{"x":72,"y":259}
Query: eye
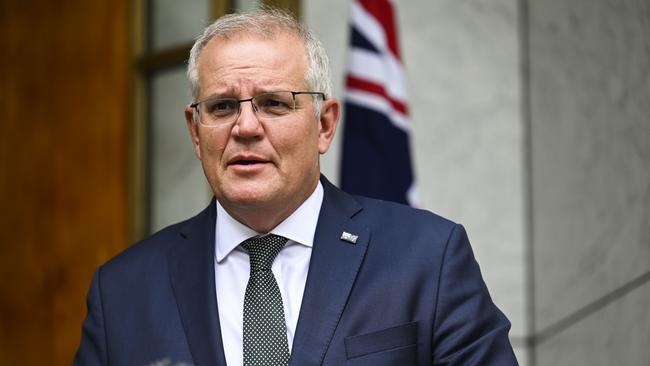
{"x":274,"y":104}
{"x":221,"y":107}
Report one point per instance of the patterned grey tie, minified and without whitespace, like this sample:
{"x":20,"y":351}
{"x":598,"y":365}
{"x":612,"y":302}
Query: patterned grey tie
{"x":265,"y":331}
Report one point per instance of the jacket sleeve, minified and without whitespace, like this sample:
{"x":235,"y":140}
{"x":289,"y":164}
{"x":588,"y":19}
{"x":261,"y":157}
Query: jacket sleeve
{"x":469,"y":329}
{"x":92,"y":350}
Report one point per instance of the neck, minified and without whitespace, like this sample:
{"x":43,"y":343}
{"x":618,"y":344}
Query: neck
{"x":260,"y":220}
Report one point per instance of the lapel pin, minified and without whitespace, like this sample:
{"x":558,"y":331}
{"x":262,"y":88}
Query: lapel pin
{"x":351,"y":238}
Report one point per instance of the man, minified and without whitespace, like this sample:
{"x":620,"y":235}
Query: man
{"x":343,"y":280}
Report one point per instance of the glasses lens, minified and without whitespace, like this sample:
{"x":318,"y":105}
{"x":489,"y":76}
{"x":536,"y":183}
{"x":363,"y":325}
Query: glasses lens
{"x":218,"y":111}
{"x":274,"y":105}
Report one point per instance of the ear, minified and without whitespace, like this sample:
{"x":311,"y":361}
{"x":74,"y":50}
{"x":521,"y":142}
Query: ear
{"x":329,"y":119}
{"x":193,"y":127}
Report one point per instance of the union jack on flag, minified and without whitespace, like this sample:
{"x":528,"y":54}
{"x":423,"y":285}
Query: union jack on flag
{"x":376,"y":158}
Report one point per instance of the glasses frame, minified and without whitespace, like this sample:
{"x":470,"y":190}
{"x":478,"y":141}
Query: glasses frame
{"x":195,"y":105}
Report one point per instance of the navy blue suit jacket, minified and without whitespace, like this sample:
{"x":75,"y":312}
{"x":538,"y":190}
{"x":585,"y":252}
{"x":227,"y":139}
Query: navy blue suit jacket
{"x":408,"y":292}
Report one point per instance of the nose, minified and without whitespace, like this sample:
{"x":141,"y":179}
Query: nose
{"x":247,"y":125}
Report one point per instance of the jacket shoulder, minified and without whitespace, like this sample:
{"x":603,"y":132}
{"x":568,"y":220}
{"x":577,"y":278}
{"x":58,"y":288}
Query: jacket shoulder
{"x":149,"y":247}
{"x":396,"y":214}
{"x":151,"y":253}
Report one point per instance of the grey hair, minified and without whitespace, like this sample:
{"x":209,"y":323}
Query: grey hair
{"x":266,"y":22}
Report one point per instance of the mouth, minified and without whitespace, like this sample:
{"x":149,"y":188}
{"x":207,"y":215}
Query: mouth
{"x":247,"y":161}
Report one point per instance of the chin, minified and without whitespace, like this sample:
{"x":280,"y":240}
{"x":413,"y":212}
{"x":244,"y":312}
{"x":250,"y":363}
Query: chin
{"x":247,"y":198}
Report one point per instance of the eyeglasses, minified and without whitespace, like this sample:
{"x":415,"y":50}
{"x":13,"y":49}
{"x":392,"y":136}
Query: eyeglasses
{"x":216,"y":111}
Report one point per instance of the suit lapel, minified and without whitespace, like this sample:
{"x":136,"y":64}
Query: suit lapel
{"x":192,"y":276}
{"x":332,"y":271}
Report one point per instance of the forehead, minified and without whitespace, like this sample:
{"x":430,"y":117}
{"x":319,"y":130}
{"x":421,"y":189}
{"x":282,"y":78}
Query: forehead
{"x":252,"y":61}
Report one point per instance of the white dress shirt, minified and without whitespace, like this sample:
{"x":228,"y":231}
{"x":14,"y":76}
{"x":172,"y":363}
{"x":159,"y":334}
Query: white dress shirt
{"x":232,"y":268}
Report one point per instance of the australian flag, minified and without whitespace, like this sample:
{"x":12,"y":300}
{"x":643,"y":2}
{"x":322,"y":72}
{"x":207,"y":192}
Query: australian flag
{"x":376,"y":158}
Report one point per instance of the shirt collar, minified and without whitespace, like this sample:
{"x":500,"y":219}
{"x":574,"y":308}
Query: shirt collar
{"x":299,"y":227}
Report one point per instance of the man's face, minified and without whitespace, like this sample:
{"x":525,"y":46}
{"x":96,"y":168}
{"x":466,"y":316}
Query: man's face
{"x":253,"y":165}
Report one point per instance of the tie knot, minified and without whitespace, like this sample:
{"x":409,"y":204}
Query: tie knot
{"x":262,"y":250}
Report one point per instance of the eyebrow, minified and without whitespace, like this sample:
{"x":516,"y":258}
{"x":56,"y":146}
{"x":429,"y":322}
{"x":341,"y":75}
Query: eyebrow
{"x":226,"y":93}
{"x":267,"y":86}
{"x":257,"y":91}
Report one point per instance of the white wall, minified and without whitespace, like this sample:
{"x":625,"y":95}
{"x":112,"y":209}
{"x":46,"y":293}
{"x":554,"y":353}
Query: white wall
{"x":590,"y":108}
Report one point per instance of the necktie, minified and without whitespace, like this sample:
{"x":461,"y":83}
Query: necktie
{"x":265,"y":334}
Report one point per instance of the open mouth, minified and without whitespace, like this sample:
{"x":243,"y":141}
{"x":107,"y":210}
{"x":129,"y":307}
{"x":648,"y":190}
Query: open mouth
{"x":247,"y":162}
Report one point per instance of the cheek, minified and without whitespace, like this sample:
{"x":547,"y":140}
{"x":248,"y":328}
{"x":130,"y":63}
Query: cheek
{"x":213,"y":142}
{"x":299,"y":149}
{"x":294,"y":139}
